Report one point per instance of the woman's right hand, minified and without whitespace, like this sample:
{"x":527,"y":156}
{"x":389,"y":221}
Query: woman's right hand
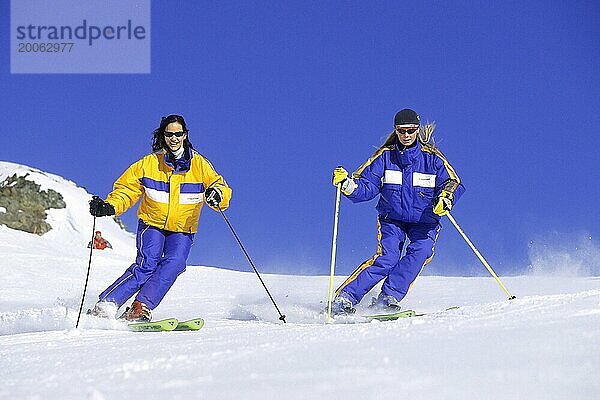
{"x":100,"y":208}
{"x":339,"y":176}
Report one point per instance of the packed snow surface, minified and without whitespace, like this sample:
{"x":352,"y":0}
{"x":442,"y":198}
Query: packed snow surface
{"x":543,"y":345}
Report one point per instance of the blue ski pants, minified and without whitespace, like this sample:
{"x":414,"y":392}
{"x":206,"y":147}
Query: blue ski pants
{"x":399,"y":272}
{"x":161,"y":257}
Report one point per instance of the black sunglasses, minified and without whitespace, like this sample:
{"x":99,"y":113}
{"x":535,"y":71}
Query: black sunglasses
{"x":409,"y":131}
{"x":178,"y":134}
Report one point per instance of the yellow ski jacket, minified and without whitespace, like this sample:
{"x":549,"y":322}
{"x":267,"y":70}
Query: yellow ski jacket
{"x":172,"y":191}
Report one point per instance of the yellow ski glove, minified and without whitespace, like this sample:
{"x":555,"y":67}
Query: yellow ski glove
{"x":444,"y":203}
{"x":339,"y":176}
{"x":347,"y":184}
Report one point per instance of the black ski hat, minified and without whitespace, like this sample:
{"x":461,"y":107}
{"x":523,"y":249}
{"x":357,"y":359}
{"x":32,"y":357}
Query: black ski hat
{"x":407,"y":116}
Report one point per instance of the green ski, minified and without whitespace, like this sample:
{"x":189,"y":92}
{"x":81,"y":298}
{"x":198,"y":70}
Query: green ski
{"x":164,"y":325}
{"x":404,"y":314}
{"x":167,"y":325}
{"x":392,"y":317}
{"x":439,"y":312}
{"x":190,"y":325}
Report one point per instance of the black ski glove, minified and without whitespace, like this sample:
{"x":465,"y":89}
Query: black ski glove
{"x":212,"y":197}
{"x":100,"y":208}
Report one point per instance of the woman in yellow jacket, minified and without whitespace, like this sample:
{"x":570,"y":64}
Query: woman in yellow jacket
{"x":173,"y":182}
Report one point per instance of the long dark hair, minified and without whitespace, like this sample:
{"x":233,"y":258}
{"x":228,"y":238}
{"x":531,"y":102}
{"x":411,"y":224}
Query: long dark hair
{"x":158,"y":136}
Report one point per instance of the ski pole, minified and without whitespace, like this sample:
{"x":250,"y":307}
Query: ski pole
{"x":333,"y":250}
{"x":281,"y":316}
{"x":478,"y":254}
{"x":88,"y":272}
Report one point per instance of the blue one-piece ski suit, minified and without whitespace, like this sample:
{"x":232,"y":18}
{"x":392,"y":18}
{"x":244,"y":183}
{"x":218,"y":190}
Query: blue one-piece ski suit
{"x":408,"y":181}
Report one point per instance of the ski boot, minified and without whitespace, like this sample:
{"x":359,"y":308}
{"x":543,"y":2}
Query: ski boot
{"x":385,"y":303}
{"x":138,"y":312}
{"x":342,"y":305}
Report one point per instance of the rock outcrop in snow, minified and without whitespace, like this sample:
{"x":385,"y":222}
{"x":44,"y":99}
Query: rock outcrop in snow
{"x":25,"y":205}
{"x":34,"y":201}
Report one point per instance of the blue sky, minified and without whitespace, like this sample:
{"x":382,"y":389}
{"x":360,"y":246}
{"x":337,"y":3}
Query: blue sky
{"x":276,"y":94}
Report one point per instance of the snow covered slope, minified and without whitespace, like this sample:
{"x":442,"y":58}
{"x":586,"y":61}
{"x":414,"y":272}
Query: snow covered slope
{"x":72,"y":226}
{"x":543,"y":345}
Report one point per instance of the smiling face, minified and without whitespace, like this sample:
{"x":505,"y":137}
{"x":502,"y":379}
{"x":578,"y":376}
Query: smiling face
{"x":174,"y":136}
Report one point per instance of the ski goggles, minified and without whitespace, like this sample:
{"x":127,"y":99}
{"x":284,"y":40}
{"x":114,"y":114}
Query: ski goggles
{"x":406,"y":131}
{"x":177,"y":134}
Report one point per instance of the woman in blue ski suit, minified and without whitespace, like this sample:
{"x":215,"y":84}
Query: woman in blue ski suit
{"x":416,"y":186}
